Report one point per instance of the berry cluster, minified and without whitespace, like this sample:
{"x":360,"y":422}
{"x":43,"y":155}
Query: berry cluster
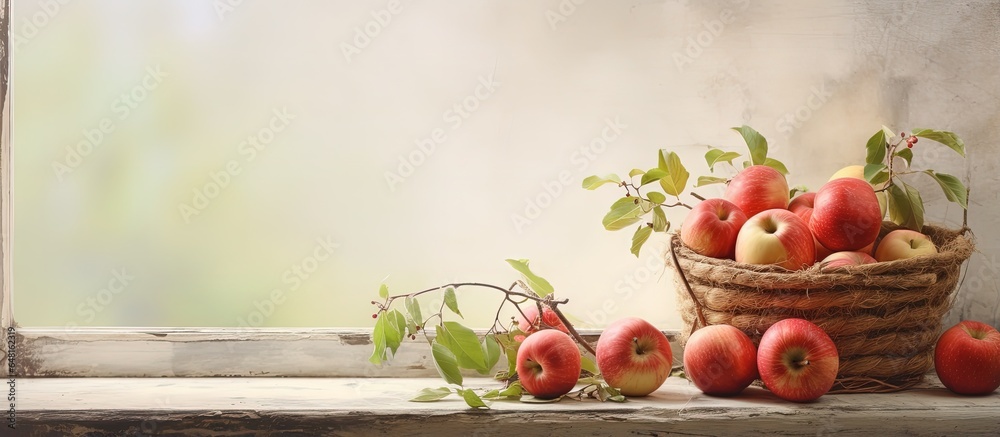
{"x":909,"y":141}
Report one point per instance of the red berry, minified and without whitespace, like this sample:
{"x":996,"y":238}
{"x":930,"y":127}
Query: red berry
{"x":913,"y":139}
{"x":374,"y":316}
{"x":909,"y":145}
{"x":902,"y":134}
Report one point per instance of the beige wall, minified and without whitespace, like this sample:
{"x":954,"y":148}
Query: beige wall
{"x":546,"y":78}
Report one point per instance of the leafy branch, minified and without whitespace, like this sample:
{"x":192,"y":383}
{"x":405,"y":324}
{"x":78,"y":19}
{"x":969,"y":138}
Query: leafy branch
{"x":905,"y":205}
{"x":455,"y":347}
{"x":672,"y":177}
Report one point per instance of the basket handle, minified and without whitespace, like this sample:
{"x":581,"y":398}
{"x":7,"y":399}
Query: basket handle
{"x":687,"y":286}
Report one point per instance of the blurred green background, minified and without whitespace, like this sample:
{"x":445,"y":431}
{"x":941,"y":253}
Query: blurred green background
{"x":110,"y":229}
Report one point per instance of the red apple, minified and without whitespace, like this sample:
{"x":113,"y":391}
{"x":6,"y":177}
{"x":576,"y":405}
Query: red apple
{"x":797,"y":360}
{"x":967,"y":358}
{"x":757,"y":188}
{"x":846,"y":215}
{"x":841,"y":259}
{"x":904,"y":244}
{"x":711,"y":228}
{"x":720,"y":360}
{"x":549,"y":318}
{"x":548,"y":364}
{"x":776,"y":236}
{"x":858,"y":172}
{"x":634,"y":356}
{"x":802,"y":206}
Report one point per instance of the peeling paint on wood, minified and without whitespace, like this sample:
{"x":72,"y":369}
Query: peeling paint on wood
{"x":171,"y":352}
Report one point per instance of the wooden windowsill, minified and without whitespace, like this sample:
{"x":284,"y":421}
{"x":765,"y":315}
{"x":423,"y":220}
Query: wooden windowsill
{"x":366,"y":406}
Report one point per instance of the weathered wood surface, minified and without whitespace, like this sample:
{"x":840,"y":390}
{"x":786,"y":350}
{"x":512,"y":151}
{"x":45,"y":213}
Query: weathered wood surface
{"x":208,"y":352}
{"x":379,"y":406}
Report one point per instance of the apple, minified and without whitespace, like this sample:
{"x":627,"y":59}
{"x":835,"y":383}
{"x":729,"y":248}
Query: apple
{"x":548,"y":364}
{"x":858,"y":172}
{"x":720,"y":360}
{"x":634,"y":356}
{"x":757,"y":188}
{"x":967,"y":358}
{"x":845,"y":215}
{"x":797,"y":360}
{"x":904,"y":244}
{"x":776,"y":236}
{"x":802,"y":206}
{"x":711,"y":228}
{"x":841,"y":259}
{"x":549,"y":318}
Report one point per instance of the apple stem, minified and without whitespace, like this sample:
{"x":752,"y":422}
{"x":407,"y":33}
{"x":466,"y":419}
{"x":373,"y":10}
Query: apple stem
{"x":635,"y":341}
{"x":802,"y":363}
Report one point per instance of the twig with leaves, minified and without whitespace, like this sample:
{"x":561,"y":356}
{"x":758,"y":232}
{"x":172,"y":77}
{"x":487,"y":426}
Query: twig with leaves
{"x":455,"y":347}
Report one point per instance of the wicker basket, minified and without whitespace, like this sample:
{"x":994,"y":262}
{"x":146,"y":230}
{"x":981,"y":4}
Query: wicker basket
{"x":884,"y":318}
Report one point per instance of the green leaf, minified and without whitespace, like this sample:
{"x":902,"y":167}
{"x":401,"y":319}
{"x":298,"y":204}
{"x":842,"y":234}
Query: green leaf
{"x":660,"y":223}
{"x":592,"y":182}
{"x":378,"y":339}
{"x":388,"y":334}
{"x":653,"y":175}
{"x":656,"y":197}
{"x":747,"y":164}
{"x":879,"y":178}
{"x":797,"y":189}
{"x":471,"y":398}
{"x":755,"y":142}
{"x":383,"y":291}
{"x":539,"y":285}
{"x":625,"y":212}
{"x":413,"y":309}
{"x":872,"y":170}
{"x":953,"y":188}
{"x":464,"y":343}
{"x":588,"y":365}
{"x":446,"y":363}
{"x":944,"y":137}
{"x":451,"y":301}
{"x":635,"y":172}
{"x":514,"y":391}
{"x":639,"y":238}
{"x":906,"y":155}
{"x":777,"y":165}
{"x":431,"y":394}
{"x":675,"y":181}
{"x":715,"y":156}
{"x":906,"y":208}
{"x":491,"y":352}
{"x":876,"y":148}
{"x":709,"y":180}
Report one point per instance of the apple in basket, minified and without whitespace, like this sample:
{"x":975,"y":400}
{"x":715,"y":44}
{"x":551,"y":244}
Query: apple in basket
{"x":757,"y":188}
{"x":711,"y":228}
{"x":802,"y":206}
{"x":797,"y":360}
{"x":776,"y":236}
{"x":846,"y":215}
{"x":720,"y":360}
{"x":841,"y":259}
{"x":904,"y":244}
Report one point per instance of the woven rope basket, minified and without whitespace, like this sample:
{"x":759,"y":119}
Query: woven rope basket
{"x":885,"y":318}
